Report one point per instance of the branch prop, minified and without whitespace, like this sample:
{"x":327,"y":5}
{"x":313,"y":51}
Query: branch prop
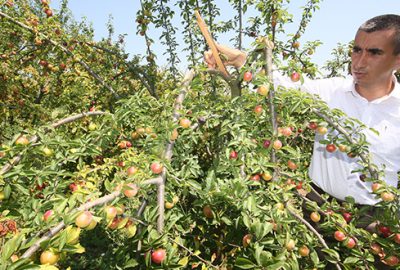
{"x":35,"y":138}
{"x":65,"y":50}
{"x":311,"y":228}
{"x":168,"y":152}
{"x":210,"y":42}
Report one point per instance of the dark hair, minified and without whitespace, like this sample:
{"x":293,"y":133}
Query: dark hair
{"x":384,"y":22}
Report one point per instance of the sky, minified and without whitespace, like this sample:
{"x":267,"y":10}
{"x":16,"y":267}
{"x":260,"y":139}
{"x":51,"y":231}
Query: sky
{"x":335,"y":22}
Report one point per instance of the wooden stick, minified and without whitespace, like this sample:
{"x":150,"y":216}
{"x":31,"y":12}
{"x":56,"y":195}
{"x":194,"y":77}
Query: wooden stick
{"x":211,"y":43}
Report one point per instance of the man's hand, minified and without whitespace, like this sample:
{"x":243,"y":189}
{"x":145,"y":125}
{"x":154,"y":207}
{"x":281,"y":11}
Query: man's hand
{"x":229,"y":56}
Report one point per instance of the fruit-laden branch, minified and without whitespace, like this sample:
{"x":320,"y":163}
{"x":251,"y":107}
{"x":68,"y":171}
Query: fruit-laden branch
{"x":311,"y":228}
{"x":232,"y":82}
{"x":85,"y":66}
{"x":364,"y":158}
{"x":168,"y":152}
{"x":100,"y":201}
{"x":35,"y":138}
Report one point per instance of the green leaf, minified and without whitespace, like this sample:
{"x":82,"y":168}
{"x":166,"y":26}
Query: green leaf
{"x":244,"y":263}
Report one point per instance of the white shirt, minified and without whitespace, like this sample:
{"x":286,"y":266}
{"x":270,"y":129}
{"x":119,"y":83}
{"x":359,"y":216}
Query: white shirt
{"x":332,"y":172}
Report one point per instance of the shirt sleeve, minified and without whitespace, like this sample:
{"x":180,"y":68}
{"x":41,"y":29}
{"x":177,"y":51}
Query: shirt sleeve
{"x":324,"y":88}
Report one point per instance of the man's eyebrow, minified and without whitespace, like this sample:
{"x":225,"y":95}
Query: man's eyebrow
{"x":375,"y":50}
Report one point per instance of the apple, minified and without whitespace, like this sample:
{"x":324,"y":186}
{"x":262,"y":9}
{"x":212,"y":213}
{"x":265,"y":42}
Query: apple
{"x":342,"y":148}
{"x":131,"y":171}
{"x":286,"y":131}
{"x":92,"y":225}
{"x":131,"y":191}
{"x":304,"y":251}
{"x":158,"y":255}
{"x":351,"y":243}
{"x":47,"y":151}
{"x":315,"y":216}
{"x":156,"y":167}
{"x":299,"y":185}
{"x":263,"y":90}
{"x":296,"y":45}
{"x":313,"y":125}
{"x":73,"y":187}
{"x":174,"y":135}
{"x":168,"y":205}
{"x":14,"y":258}
{"x":247,"y":76}
{"x":330,"y":148}
{"x":83,"y":219}
{"x":322,"y":130}
{"x":339,"y":236}
{"x":22,"y":141}
{"x":258,"y":109}
{"x":111,"y":212}
{"x":185,"y":123}
{"x":376,"y":186}
{"x":233,"y":154}
{"x":207,"y":211}
{"x":175,"y":199}
{"x":277,"y":144}
{"x":396,"y":238}
{"x":49,"y":257}
{"x":255,"y":177}
{"x":92,"y":126}
{"x":266,"y":176}
{"x":291,"y":165}
{"x":391,"y":260}
{"x":347,"y":216}
{"x":266,"y":143}
{"x":280,"y":206}
{"x":376,"y":248}
{"x":387,"y":196}
{"x":48,"y":12}
{"x":47,"y":215}
{"x":385,"y":231}
{"x":290,"y":245}
{"x":246,"y":240}
{"x":295,"y":77}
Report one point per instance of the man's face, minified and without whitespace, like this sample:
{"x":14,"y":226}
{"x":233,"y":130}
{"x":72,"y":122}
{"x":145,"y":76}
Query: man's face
{"x":373,"y":61}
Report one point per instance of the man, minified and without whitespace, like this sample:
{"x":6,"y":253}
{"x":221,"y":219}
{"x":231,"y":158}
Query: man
{"x":371,"y":95}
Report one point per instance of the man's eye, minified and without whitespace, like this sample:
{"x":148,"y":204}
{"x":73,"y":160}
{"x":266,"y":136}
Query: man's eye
{"x":356,"y":50}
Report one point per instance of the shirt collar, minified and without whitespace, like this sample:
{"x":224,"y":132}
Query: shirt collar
{"x":395,"y":92}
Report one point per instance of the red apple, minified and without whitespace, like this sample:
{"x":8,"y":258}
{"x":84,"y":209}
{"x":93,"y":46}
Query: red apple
{"x":131,"y":171}
{"x":277,"y":145}
{"x":339,"y":236}
{"x":156,"y":167}
{"x":347,"y":216}
{"x":255,"y":177}
{"x":351,"y":243}
{"x":158,"y":255}
{"x":233,"y":154}
{"x":258,"y":109}
{"x":47,"y":215}
{"x":266,"y":143}
{"x":385,"y":231}
{"x":396,"y":238}
{"x":111,"y":212}
{"x":391,"y":260}
{"x":295,"y":77}
{"x":330,"y":148}
{"x":375,"y":186}
{"x":387,"y":196}
{"x":247,"y":76}
{"x":313,"y":125}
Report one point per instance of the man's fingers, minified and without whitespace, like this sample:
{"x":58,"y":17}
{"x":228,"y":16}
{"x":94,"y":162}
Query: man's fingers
{"x":209,"y":59}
